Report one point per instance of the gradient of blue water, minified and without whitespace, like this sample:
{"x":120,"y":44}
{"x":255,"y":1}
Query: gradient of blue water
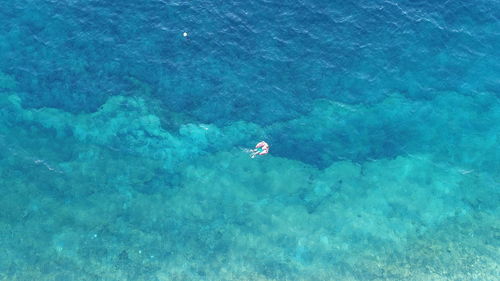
{"x":266,"y":62}
{"x":75,"y":54}
{"x":292,"y":51}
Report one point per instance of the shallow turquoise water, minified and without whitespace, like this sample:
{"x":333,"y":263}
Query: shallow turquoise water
{"x":123,"y":144}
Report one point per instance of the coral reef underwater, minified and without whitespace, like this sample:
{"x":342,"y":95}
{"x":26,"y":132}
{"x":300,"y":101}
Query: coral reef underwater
{"x":114,"y":195}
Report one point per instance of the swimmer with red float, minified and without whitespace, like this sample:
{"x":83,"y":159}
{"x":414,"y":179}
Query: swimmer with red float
{"x":262,"y":148}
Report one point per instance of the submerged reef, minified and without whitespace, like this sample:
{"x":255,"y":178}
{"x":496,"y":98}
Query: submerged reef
{"x":234,"y":218}
{"x":453,"y":128}
{"x":116,"y":194}
{"x":125,"y":124}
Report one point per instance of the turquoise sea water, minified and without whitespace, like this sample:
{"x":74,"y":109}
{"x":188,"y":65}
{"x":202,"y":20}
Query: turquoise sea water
{"x":123,"y":143}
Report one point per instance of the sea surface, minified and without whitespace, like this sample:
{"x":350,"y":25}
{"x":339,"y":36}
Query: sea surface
{"x":124,"y":143}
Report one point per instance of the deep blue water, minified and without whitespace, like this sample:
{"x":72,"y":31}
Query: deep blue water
{"x":123,"y":143}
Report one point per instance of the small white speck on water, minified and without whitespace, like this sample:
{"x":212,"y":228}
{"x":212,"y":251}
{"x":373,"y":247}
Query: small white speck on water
{"x":185,"y":34}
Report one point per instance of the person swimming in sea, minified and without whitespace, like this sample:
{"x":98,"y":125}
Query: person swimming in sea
{"x":262,"y":148}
